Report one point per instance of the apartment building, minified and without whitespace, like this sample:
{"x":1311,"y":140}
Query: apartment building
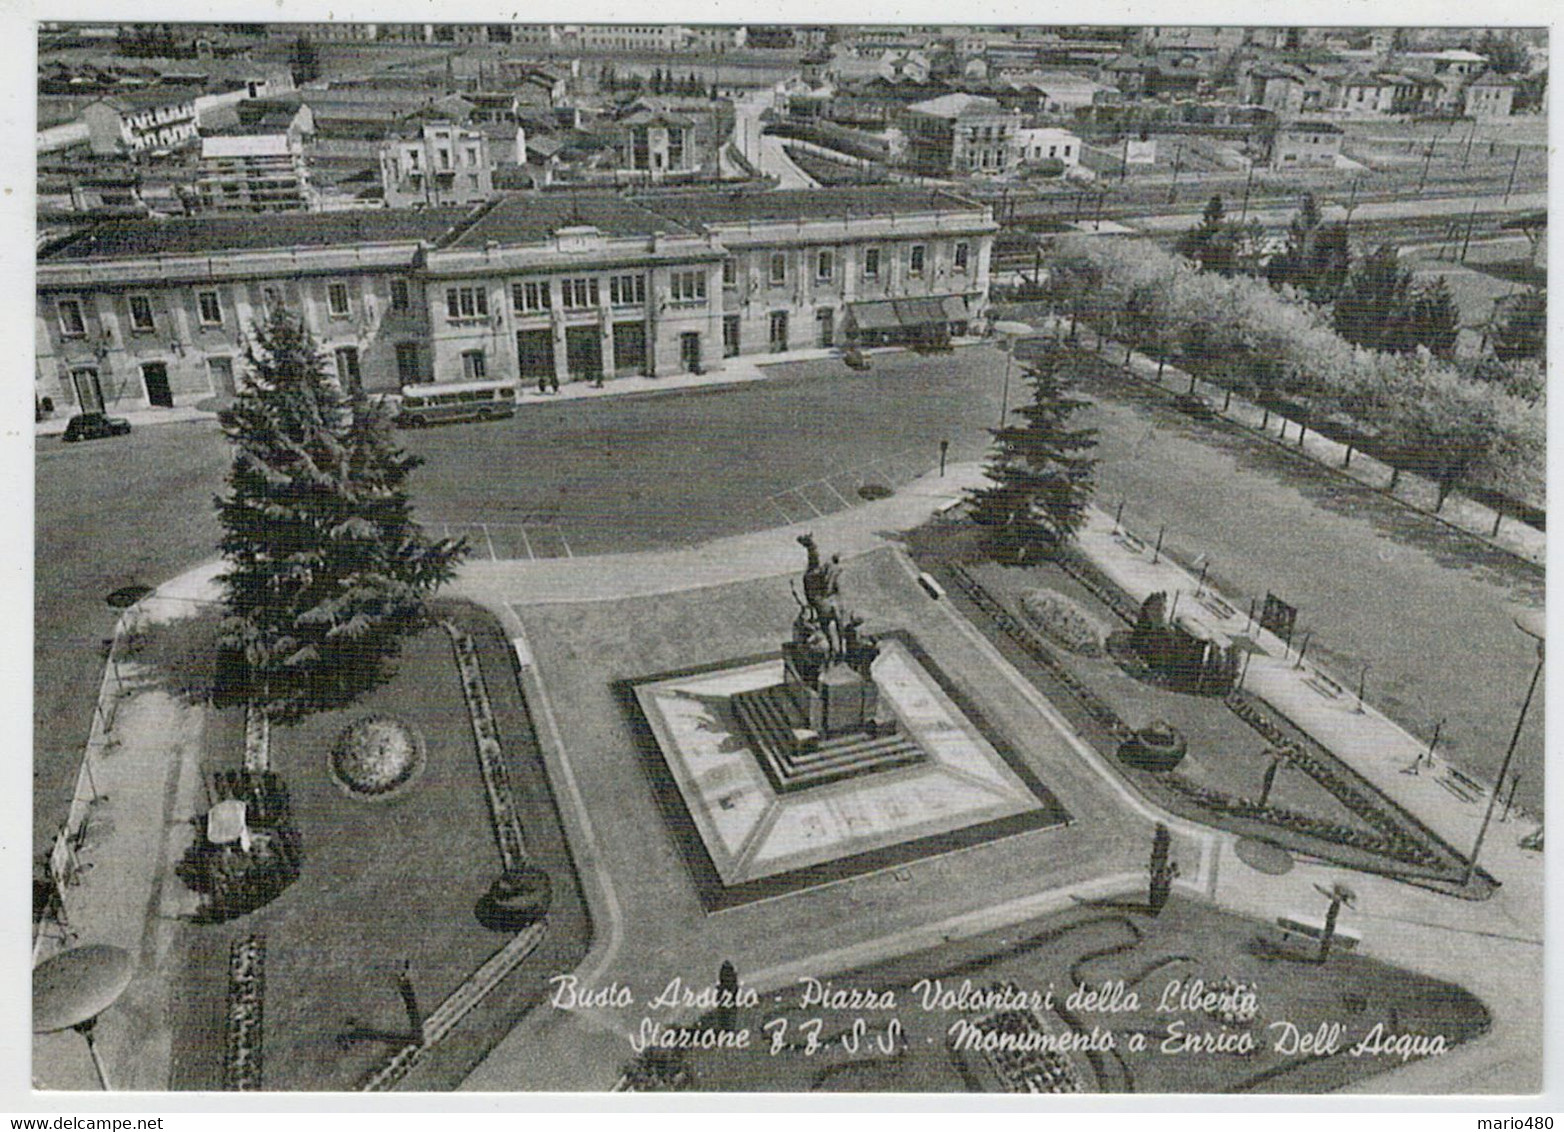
{"x":140,"y":121}
{"x":430,"y":164}
{"x":961,"y":133}
{"x":253,"y":173}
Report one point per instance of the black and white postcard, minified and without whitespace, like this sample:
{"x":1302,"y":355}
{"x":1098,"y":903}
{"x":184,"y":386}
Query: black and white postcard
{"x":770,"y":557}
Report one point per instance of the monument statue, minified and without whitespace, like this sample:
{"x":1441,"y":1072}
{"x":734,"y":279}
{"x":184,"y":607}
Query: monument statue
{"x":829,"y":656}
{"x":822,"y":584}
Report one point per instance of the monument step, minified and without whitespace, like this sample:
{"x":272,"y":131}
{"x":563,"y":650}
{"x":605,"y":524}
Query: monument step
{"x":770,"y":719}
{"x":852,"y":747}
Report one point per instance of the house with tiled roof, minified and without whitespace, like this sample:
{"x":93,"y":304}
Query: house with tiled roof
{"x":961,"y":133}
{"x":1490,"y":95}
{"x":142,"y":121}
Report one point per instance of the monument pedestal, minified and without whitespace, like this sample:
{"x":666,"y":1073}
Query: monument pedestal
{"x":838,"y":701}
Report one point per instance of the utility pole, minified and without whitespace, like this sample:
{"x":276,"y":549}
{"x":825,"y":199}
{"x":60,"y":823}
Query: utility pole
{"x":1352,"y":202}
{"x":1514,"y":166}
{"x":1124,"y":164}
{"x":1178,"y":154}
{"x":1428,"y":156}
{"x":1243,"y":212}
{"x":1471,"y":219}
{"x":1471,"y":132}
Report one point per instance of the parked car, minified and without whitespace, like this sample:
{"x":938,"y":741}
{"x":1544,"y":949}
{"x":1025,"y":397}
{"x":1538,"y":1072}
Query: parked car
{"x":93,"y":426}
{"x":855,"y":358}
{"x":1194,"y":405}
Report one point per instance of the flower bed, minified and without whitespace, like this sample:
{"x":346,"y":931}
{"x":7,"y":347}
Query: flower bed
{"x":377,"y":756}
{"x":246,"y":989}
{"x":1062,"y":622}
{"x":1387,"y":836}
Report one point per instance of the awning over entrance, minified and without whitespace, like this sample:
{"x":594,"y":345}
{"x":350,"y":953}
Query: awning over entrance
{"x":909,"y":314}
{"x":919,"y":312}
{"x":874,"y":316}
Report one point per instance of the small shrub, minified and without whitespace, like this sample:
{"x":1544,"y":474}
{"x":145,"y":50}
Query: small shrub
{"x":516,"y":900}
{"x":1062,"y":622}
{"x":233,"y":880}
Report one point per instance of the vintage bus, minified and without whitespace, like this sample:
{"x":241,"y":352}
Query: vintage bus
{"x":459,"y":401}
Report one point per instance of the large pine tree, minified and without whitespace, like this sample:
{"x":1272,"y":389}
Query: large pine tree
{"x":326,"y":567}
{"x":1041,"y":474}
{"x":1374,"y":308}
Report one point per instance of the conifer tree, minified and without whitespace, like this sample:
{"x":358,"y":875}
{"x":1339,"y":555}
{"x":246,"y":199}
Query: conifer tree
{"x":1041,"y":474}
{"x":1210,"y":243}
{"x":1317,"y":259}
{"x":1436,"y":323}
{"x":1524,"y":331}
{"x":326,"y":567}
{"x":1373,"y":309}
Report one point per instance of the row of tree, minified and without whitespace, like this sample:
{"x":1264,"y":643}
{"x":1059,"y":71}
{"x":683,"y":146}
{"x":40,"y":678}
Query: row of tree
{"x":660,"y":82}
{"x":1455,"y":423}
{"x":1376,"y":305}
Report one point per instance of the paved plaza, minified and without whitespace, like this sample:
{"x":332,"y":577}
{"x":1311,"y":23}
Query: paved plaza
{"x":960,"y":792}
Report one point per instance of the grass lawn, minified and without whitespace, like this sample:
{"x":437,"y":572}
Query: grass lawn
{"x":1225,"y":754}
{"x":385,"y":881}
{"x":1520,"y":271}
{"x":1094,"y":945}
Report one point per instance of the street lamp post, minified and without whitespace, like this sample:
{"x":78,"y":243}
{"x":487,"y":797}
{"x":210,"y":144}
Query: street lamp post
{"x":1531,"y":623}
{"x":71,"y":989}
{"x":1010,"y":331}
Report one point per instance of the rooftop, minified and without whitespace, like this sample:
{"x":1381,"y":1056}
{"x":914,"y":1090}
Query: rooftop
{"x":533,"y":219}
{"x":522,"y":219}
{"x":730,"y":206}
{"x":200,"y":235}
{"x":955,"y":105}
{"x":247,"y":145}
{"x":130,"y":101}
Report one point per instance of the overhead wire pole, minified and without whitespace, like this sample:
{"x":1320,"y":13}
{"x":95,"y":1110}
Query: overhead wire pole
{"x":1514,"y":168}
{"x":1178,"y":155}
{"x":1428,"y":157}
{"x":1352,"y":203}
{"x":1533,"y":626}
{"x":1471,"y":220}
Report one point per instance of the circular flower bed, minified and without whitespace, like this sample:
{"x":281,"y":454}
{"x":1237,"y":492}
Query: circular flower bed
{"x":1157,"y":747}
{"x":1062,"y":622}
{"x":517,"y":899}
{"x":376,"y":756}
